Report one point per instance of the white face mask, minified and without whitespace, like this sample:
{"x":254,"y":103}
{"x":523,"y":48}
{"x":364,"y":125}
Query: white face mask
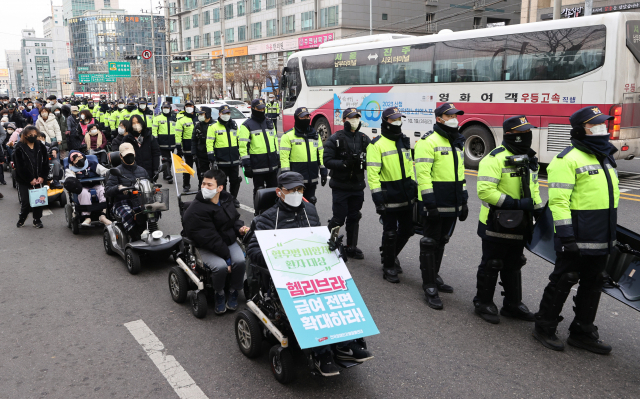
{"x":397,"y":123}
{"x":201,"y":118}
{"x":121,"y":130}
{"x":189,"y":110}
{"x":599,"y":130}
{"x":93,"y":132}
{"x":137,"y":127}
{"x":165,"y":110}
{"x":355,"y":122}
{"x":82,"y":116}
{"x":57,"y":113}
{"x":208,"y":194}
{"x":121,"y":106}
{"x":293,"y":199}
{"x":452,"y":122}
{"x":44,"y":115}
{"x":29,"y":107}
{"x":225,"y":117}
{"x":142,"y":106}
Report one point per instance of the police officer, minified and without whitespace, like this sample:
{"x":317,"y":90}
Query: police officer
{"x":442,"y":193}
{"x":259,"y":148}
{"x":393,"y":190}
{"x":301,"y":151}
{"x":223,"y":151}
{"x":102,"y":116}
{"x":345,"y":154}
{"x":199,"y":142}
{"x":116,"y":116}
{"x":505,"y":198}
{"x":583,"y":197}
{"x":164,"y":129}
{"x":273,"y":111}
{"x":144,"y":111}
{"x":186,"y":121}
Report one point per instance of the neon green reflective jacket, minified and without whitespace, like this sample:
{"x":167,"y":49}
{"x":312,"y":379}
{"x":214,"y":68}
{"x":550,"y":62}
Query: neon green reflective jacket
{"x":259,"y":146}
{"x":117,"y":116}
{"x":390,"y":173}
{"x":498,"y":186}
{"x":302,"y":153}
{"x":272,"y":110}
{"x":164,"y":129}
{"x":440,"y":173}
{"x":184,"y":127}
{"x":223,"y":143}
{"x":148,"y":119}
{"x":583,"y":197}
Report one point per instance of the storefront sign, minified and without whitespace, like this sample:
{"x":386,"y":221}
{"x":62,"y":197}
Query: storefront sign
{"x":578,"y":11}
{"x":314,"y":41}
{"x":315,"y":287}
{"x":231,"y":52}
{"x":279,"y":45}
{"x":4,"y":73}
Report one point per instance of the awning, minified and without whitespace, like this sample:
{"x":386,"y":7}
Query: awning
{"x":268,"y":89}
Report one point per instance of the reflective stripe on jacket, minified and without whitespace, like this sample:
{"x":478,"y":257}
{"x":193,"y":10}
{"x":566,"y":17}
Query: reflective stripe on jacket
{"x":301,"y":153}
{"x":222,"y":141}
{"x":164,"y":128}
{"x":259,"y":146}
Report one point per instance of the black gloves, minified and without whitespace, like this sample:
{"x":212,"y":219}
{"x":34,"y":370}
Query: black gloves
{"x":211,"y":158}
{"x":381,"y":209}
{"x":323,"y":176}
{"x":569,"y":245}
{"x":248,"y":172}
{"x":464,"y":213}
{"x":179,"y":150}
{"x":525,"y":204}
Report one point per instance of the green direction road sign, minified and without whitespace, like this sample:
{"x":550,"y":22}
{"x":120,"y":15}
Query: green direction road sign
{"x":120,"y":69}
{"x":95,"y":78}
{"x":83,"y":68}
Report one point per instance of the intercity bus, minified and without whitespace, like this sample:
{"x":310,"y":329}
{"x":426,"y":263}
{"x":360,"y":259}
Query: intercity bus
{"x":544,"y":70}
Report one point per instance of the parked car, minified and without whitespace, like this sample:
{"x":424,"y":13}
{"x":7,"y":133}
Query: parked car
{"x":236,"y":115}
{"x":239,"y":105}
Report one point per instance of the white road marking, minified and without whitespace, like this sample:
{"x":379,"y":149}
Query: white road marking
{"x":177,"y":377}
{"x":247,"y":208}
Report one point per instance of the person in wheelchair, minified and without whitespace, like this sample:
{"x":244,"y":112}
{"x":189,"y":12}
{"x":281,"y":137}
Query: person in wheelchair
{"x":290,"y":212}
{"x":213,"y":224}
{"x":82,"y":168}
{"x":123,"y":205}
{"x":53,"y":152}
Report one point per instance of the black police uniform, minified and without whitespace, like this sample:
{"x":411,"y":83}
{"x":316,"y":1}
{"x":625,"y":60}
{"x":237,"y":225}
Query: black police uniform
{"x":199,"y":143}
{"x":345,"y":156}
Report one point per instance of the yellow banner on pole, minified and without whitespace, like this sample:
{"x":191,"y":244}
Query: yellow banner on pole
{"x":180,"y":166}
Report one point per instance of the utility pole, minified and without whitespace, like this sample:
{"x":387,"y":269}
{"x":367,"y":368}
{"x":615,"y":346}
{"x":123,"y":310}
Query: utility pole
{"x":224,"y":61}
{"x":557,"y":4}
{"x":370,"y":17}
{"x":153,"y":57}
{"x":588,"y":6}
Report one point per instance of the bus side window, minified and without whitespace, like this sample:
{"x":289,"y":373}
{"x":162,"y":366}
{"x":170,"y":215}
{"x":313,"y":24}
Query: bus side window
{"x":470,"y":60}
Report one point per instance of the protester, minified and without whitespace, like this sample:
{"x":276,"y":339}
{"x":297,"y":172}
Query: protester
{"x":31,"y":163}
{"x":145,"y":145}
{"x":80,"y":168}
{"x":48,"y":125}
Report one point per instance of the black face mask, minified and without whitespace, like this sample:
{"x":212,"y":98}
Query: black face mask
{"x":129,"y":159}
{"x":391,"y":130}
{"x":90,"y":105}
{"x":79,"y":163}
{"x":303,"y":124}
{"x":518,"y":143}
{"x":257,"y":116}
{"x":131,"y":108}
{"x":32,"y":139}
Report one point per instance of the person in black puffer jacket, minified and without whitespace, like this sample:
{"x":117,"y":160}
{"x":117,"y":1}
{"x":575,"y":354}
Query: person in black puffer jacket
{"x":213,"y":223}
{"x":31,"y":162}
{"x":145,"y":145}
{"x":291,"y":212}
{"x":123,"y":205}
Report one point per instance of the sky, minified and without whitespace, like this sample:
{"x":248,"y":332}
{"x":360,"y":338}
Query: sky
{"x":17,"y":16}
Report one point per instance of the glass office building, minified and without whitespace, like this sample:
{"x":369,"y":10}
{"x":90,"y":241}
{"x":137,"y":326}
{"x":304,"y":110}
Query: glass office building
{"x":97,"y":39}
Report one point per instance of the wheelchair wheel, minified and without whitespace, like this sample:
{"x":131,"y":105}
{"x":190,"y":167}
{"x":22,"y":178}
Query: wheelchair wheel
{"x":68,"y":215}
{"x":178,"y":284}
{"x":248,"y":334}
{"x":106,"y":242}
{"x":62,"y":200}
{"x":133,"y":261}
{"x":199,"y":305}
{"x":75,"y":225}
{"x":282,"y":365}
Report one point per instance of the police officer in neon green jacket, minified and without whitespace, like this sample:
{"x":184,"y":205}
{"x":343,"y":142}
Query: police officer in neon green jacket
{"x":505,"y":197}
{"x":222,"y":148}
{"x":301,"y":151}
{"x":164,"y":129}
{"x":583,"y":197}
{"x":393,"y":190}
{"x":442,"y":194}
{"x":116,"y":116}
{"x":273,"y":111}
{"x":185,"y":123}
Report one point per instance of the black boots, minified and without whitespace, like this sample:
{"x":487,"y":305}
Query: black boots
{"x":548,"y":316}
{"x":582,"y":332}
{"x":486,"y":285}
{"x":388,"y":256}
{"x":428,"y":268}
{"x":512,"y":304}
{"x":352,"y":241}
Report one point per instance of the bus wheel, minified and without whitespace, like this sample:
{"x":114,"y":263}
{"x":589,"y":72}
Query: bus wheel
{"x":323,"y":128}
{"x":478,"y":142}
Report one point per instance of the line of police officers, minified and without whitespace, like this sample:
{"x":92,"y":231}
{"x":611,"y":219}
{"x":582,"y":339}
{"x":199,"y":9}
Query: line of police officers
{"x":583,"y":198}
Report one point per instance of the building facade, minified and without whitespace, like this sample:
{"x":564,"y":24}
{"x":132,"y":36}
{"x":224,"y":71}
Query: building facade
{"x":263,"y":33}
{"x":38,"y":64}
{"x":542,"y":10}
{"x":14,"y":67}
{"x":53,"y":28}
{"x":75,"y":8}
{"x":99,"y":37}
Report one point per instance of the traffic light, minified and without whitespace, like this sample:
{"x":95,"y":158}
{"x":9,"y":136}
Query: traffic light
{"x":181,"y":58}
{"x":132,"y":57}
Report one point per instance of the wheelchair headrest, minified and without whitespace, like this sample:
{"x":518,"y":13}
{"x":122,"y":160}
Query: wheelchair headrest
{"x":265,"y":198}
{"x":65,"y":162}
{"x":114,"y":159}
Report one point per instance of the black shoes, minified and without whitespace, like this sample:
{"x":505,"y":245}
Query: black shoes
{"x":186,"y":188}
{"x":353,"y":352}
{"x":432,"y":298}
{"x":487,"y":312}
{"x":547,"y":337}
{"x":236,"y":203}
{"x":325,"y":365}
{"x":442,"y":287}
{"x":354,"y":252}
{"x":519,"y":311}
{"x":37,"y":224}
{"x":391,"y":275}
{"x":21,"y":222}
{"x":397,"y":266}
{"x":585,"y":336}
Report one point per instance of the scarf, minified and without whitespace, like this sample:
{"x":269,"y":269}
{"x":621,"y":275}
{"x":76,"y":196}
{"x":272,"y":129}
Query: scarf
{"x":87,"y":139}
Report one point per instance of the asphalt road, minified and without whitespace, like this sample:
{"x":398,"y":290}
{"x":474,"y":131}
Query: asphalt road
{"x":65,"y":303}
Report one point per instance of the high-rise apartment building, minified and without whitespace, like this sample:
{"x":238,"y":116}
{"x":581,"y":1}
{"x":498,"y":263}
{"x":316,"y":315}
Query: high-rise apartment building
{"x":14,"y":65}
{"x":38,"y":64}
